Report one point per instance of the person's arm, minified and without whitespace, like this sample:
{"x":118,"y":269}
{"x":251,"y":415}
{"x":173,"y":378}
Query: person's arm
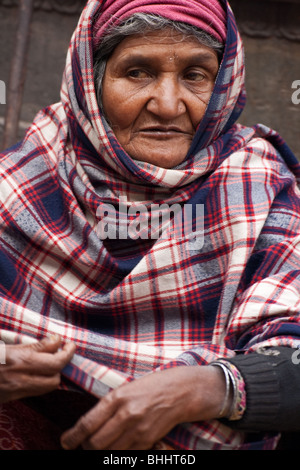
{"x":140,"y":413}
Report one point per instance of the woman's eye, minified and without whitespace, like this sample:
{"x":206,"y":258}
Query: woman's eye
{"x":194,"y":76}
{"x":137,"y":73}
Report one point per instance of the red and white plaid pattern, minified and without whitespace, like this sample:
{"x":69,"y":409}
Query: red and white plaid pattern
{"x":136,"y":307}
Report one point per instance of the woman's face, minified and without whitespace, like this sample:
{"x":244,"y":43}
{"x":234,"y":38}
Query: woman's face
{"x":156,"y":88}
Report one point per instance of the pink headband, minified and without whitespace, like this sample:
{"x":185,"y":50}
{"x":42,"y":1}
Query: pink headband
{"x":207,"y":15}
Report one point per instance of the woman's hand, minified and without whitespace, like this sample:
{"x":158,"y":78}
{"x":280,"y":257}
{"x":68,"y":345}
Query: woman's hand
{"x":34,"y":369}
{"x":138,"y":414}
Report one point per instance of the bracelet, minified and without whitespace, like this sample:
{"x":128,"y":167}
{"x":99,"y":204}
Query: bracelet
{"x":228,"y":381}
{"x":239,"y":401}
{"x":238,"y":405}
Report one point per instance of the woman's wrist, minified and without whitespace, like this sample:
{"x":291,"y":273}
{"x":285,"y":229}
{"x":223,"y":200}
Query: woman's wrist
{"x":222,"y":392}
{"x":229,"y":390}
{"x":216,"y":391}
{"x":206,"y":393}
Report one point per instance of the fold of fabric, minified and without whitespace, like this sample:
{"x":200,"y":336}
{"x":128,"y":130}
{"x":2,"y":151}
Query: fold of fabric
{"x":135,"y":306}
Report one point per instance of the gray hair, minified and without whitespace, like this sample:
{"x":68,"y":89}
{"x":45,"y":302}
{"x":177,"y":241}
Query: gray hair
{"x":143,"y":23}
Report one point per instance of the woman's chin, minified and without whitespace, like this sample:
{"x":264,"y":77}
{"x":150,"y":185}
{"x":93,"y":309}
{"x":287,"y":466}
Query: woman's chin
{"x":160,"y":155}
{"x":162,"y":160}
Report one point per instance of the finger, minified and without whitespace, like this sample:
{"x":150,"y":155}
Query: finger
{"x":135,"y":440}
{"x":42,"y":358}
{"x":28,"y":385}
{"x":88,"y":424}
{"x":46,"y":345}
{"x":109,"y":435}
{"x":49,"y":344}
{"x":48,"y":364}
{"x":63,"y":356}
{"x":129,"y":434}
{"x":43,"y":384}
{"x":52,"y":345}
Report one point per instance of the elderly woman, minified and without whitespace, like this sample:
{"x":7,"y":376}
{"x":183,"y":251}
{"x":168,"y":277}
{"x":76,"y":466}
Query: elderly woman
{"x":184,"y":339}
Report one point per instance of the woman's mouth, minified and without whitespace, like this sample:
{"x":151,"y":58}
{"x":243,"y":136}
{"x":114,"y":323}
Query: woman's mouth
{"x":164,"y":131}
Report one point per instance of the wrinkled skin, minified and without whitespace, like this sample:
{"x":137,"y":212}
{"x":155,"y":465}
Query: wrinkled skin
{"x":137,"y":415}
{"x":156,"y":88}
{"x":32,"y":370}
{"x":134,"y":416}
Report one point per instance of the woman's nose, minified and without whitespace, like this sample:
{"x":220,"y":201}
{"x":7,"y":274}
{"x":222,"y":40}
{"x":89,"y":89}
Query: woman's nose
{"x":166,"y":100}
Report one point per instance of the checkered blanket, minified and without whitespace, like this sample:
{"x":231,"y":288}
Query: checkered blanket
{"x":135,"y":306}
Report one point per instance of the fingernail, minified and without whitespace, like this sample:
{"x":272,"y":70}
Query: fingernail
{"x":53,"y":338}
{"x":64,"y":446}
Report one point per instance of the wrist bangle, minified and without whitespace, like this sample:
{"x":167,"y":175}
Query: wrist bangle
{"x":226,"y":405}
{"x":238,"y":402}
{"x":239,"y":399}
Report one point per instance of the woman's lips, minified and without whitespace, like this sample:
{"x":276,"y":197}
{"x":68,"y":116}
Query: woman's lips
{"x":164,"y":132}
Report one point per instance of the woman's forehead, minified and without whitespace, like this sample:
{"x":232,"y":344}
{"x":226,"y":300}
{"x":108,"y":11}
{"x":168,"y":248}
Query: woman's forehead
{"x":162,"y":42}
{"x":164,"y":36}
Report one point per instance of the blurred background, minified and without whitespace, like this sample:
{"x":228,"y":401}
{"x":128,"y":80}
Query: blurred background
{"x":33,"y":52}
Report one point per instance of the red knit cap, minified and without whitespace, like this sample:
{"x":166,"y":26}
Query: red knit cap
{"x":208,"y":15}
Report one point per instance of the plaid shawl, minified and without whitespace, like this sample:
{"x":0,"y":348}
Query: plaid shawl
{"x":136,"y":306}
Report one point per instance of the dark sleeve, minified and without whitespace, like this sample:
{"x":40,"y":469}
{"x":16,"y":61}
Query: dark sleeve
{"x":272,"y":380}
